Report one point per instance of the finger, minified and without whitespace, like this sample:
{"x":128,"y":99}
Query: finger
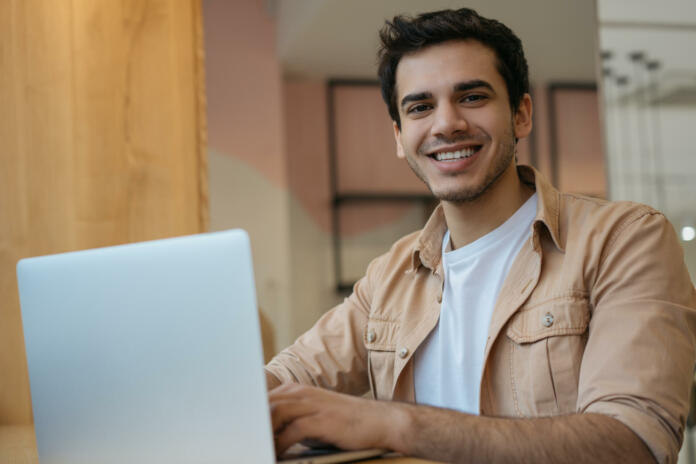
{"x":296,"y":431}
{"x":283,"y":387}
{"x":285,"y":411}
{"x":292,"y":390}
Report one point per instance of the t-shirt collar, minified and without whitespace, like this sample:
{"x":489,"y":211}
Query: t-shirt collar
{"x":428,"y":249}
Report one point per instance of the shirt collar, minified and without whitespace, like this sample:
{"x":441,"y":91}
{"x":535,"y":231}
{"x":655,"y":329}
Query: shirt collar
{"x":428,"y":249}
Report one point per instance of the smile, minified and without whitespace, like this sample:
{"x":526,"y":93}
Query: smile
{"x":455,"y":155}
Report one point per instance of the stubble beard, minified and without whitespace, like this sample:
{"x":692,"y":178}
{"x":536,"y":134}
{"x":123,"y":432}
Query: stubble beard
{"x":473,"y":193}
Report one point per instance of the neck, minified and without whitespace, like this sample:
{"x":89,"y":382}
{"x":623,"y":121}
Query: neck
{"x":468,"y":221}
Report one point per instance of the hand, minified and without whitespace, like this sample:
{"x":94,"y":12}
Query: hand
{"x":300,"y":412}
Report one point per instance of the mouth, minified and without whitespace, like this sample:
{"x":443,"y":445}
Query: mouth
{"x":455,"y":155}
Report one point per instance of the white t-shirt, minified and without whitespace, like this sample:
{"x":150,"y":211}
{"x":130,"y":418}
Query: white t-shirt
{"x":449,"y":363}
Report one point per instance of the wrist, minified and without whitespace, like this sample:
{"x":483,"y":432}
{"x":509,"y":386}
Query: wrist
{"x":399,"y":426}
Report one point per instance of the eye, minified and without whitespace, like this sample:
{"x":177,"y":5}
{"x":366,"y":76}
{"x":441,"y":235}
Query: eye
{"x":473,"y":98}
{"x":418,"y":108}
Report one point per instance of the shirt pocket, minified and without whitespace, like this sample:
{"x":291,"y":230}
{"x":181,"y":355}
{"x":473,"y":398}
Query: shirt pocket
{"x":380,"y":341}
{"x":546,"y":344}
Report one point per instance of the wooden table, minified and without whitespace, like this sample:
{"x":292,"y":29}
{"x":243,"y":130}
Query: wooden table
{"x":18,"y":446}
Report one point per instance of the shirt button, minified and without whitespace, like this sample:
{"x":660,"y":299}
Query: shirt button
{"x":547,"y":320}
{"x":403,"y":352}
{"x":371,"y":336}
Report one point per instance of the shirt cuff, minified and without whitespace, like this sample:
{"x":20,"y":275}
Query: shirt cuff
{"x":660,"y":438}
{"x":287,"y":370}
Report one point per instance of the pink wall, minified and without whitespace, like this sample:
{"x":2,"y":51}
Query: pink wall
{"x":541,"y":131}
{"x":245,"y":117}
{"x":579,"y":152}
{"x":366,"y":157}
{"x":307,"y":145}
{"x":365,"y":146}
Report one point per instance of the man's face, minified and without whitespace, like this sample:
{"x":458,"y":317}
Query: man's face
{"x":457,"y":129}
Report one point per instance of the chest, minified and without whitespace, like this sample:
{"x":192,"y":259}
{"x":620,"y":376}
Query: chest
{"x":535,"y":342}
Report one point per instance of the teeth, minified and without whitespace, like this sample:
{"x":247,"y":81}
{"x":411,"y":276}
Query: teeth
{"x":454,"y":155}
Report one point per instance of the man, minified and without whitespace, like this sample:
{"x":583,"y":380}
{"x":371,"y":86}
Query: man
{"x":527,"y":325}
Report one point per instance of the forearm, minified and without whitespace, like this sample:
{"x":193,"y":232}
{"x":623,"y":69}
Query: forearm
{"x":450,"y":436}
{"x":331,"y":354}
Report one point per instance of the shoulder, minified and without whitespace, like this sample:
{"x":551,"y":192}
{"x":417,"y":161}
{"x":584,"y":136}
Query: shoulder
{"x":396,"y":280}
{"x":623,"y":244}
{"x":603,"y":219}
{"x":397,"y":260}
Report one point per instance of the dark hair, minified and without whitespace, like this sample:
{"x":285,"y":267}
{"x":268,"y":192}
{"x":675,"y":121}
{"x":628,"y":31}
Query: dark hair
{"x":405,"y":34}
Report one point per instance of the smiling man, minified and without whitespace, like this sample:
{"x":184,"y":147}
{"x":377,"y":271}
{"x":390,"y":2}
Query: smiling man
{"x":520,"y":324}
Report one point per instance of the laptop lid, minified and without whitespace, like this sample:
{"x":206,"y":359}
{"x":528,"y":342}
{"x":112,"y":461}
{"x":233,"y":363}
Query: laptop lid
{"x":148,"y":352}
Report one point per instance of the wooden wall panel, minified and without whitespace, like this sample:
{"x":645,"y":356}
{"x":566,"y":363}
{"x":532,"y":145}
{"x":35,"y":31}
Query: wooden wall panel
{"x":102,"y":140}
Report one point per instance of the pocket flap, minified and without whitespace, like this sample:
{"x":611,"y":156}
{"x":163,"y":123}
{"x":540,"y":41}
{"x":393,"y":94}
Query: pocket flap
{"x":559,"y":317}
{"x":381,"y":335}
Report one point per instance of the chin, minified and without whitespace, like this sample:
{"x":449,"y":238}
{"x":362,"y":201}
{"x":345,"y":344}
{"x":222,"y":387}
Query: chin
{"x":460,"y":197}
{"x":461,"y":193}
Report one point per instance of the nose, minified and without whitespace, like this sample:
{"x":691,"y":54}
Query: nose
{"x":448,"y":121}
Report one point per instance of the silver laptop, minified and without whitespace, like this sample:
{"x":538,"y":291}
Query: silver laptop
{"x":147,"y":353}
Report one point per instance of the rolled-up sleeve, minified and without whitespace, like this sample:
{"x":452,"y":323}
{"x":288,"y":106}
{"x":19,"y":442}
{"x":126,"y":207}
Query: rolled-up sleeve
{"x":638,"y":363}
{"x":332,"y":353}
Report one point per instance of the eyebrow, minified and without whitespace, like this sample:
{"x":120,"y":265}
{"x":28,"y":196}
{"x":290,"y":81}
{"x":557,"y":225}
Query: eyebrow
{"x":415,"y":97}
{"x":468,"y":85}
{"x":459,"y":87}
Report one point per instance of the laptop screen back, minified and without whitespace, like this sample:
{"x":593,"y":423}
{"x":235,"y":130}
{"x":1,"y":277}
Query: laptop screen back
{"x":148,"y":352}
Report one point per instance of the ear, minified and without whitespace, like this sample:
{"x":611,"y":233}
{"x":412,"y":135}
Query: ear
{"x":397,"y":137}
{"x":523,"y":117}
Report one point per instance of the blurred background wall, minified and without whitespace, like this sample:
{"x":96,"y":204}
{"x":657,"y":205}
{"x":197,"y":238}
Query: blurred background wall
{"x":248,"y":165}
{"x":649,"y":88}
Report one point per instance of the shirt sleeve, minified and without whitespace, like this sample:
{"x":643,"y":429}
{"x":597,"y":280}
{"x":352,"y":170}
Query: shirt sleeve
{"x":332,"y":353}
{"x":638,"y":364}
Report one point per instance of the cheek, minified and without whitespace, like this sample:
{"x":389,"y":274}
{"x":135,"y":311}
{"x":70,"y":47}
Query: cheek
{"x":498,"y":130}
{"x":412,"y":137}
{"x":497,"y":121}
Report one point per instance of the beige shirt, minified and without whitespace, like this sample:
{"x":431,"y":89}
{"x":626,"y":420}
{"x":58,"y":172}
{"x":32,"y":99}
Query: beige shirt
{"x":597,"y":314}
